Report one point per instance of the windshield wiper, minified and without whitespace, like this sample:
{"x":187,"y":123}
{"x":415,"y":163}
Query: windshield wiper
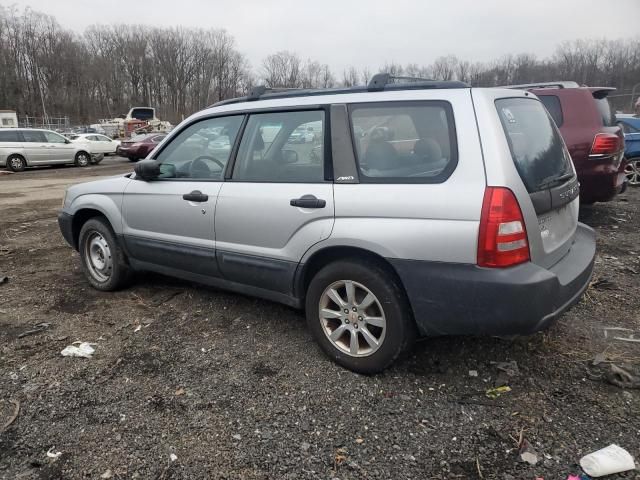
{"x":551,"y":181}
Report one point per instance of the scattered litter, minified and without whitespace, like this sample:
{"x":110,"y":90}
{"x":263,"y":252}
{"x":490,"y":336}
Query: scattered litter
{"x":107,"y":474}
{"x":473,"y":373}
{"x":84,"y":350}
{"x":622,"y":377}
{"x":4,"y":280}
{"x":494,"y":393}
{"x":173,"y":457}
{"x":37,"y":328}
{"x":359,"y":441}
{"x":236,"y":437}
{"x":138,"y":328}
{"x":510,"y":368}
{"x":179,"y":391}
{"x":528,"y":453}
{"x":604,"y":284}
{"x":606,"y":461}
{"x":12,"y":418}
{"x":52,"y":454}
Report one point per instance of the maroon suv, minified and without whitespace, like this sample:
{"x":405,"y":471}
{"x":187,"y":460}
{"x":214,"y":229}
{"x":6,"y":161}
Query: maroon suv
{"x":589,"y":129}
{"x":140,"y":146}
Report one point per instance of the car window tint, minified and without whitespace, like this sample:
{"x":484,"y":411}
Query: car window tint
{"x":404,"y":143}
{"x":198,"y":152}
{"x":552,"y":103}
{"x":535,"y":143}
{"x":282,"y":147}
{"x":9,"y":136}
{"x":34,"y":136}
{"x":102,"y":138}
{"x":604,"y":108}
{"x":54,"y":138}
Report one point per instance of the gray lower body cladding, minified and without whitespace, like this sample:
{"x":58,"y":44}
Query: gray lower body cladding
{"x":446,"y":298}
{"x":453,"y":299}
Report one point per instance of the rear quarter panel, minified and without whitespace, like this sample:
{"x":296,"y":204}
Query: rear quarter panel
{"x":437,"y":222}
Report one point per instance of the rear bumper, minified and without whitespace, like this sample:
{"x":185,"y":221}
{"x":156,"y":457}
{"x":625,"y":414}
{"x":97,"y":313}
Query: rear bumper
{"x":450,"y":299}
{"x":65,"y":222}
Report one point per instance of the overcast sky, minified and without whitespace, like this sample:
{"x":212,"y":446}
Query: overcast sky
{"x":370,"y":32}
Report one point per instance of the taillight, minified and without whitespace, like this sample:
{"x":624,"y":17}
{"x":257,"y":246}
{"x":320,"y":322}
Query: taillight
{"x":502,"y":240}
{"x":605,"y":144}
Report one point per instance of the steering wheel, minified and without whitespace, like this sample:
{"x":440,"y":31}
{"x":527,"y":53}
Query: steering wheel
{"x":199,"y":167}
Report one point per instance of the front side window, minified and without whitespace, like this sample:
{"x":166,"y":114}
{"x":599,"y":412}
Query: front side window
{"x":282,"y":147}
{"x":34,"y":136}
{"x":200,"y":151}
{"x":405,"y":143}
{"x":54,"y":138}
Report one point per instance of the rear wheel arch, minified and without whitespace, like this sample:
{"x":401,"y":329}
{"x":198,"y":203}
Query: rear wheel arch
{"x":327,"y":255}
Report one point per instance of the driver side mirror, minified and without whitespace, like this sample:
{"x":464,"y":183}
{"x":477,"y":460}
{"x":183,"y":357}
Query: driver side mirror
{"x":66,"y":140}
{"x":147,"y":169}
{"x":289,"y":156}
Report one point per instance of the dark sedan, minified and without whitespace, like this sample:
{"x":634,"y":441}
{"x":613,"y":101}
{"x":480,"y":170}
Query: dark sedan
{"x":139,"y":146}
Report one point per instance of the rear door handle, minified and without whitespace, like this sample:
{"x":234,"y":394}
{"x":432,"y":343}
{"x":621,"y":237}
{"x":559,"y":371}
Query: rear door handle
{"x":195,"y":196}
{"x":308,"y":201}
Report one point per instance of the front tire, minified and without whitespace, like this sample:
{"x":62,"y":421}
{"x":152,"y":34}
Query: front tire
{"x":632,"y":171}
{"x":82,"y":159}
{"x":16,"y":163}
{"x":103,"y":262}
{"x":359,"y":315}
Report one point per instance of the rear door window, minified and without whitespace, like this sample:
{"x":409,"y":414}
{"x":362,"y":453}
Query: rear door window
{"x":535,"y":143}
{"x":552,"y":103}
{"x":404,"y":142}
{"x":34,"y":136}
{"x":9,"y":136}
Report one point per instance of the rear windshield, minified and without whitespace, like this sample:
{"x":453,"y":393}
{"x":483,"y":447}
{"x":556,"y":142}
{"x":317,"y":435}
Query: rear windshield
{"x":608,"y":120}
{"x":536,"y":146}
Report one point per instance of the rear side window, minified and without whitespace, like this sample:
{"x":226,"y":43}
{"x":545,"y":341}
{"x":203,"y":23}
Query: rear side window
{"x":34,"y":136}
{"x":552,"y":103}
{"x":9,"y":136}
{"x":604,"y":108}
{"x":404,"y":142}
{"x":535,"y":143}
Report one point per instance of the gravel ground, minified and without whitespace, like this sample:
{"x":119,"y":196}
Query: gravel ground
{"x":189,"y":382}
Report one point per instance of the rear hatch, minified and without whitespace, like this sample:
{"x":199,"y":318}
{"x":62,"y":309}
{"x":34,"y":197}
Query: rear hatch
{"x":544,"y":165}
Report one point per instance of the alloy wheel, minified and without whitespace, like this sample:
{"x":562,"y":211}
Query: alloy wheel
{"x":632,"y":171}
{"x":352,"y":318}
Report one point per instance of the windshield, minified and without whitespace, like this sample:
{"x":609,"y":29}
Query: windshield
{"x":538,"y":151}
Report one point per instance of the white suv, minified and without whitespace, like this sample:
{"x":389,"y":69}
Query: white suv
{"x":421,"y":208}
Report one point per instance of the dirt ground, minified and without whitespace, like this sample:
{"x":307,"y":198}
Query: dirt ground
{"x":189,"y":382}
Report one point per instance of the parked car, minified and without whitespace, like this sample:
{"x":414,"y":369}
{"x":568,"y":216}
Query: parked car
{"x":98,"y":143}
{"x":589,"y":129}
{"x":26,"y":147}
{"x":630,"y":125}
{"x":302,"y":135}
{"x":463,"y":220}
{"x":139,"y":146}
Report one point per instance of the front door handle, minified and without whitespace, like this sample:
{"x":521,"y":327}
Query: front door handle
{"x":195,"y":196}
{"x":308,"y":201}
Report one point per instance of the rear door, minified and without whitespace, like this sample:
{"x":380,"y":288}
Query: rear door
{"x":36,"y":147}
{"x":545,"y":168}
{"x":277,"y":203}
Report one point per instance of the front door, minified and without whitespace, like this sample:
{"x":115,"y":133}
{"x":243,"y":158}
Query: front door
{"x":59,"y":148}
{"x":277,"y":203}
{"x":168,"y":223}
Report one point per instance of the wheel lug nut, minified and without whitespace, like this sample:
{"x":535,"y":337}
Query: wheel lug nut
{"x":355,"y":309}
{"x":359,"y":319}
{"x":346,"y":321}
{"x":346,"y":310}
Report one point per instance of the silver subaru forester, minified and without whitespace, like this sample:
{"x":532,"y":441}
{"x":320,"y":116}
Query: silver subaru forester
{"x":411,"y":208}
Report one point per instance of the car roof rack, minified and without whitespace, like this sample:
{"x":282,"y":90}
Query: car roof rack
{"x":563,"y":84}
{"x":378,"y":83}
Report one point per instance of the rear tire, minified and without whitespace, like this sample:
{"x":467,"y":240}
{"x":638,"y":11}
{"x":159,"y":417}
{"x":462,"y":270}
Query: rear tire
{"x":632,"y":171}
{"x":133,"y":159}
{"x":360,"y":299}
{"x":103,"y":261}
{"x":16,"y":163}
{"x":82,"y":159}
